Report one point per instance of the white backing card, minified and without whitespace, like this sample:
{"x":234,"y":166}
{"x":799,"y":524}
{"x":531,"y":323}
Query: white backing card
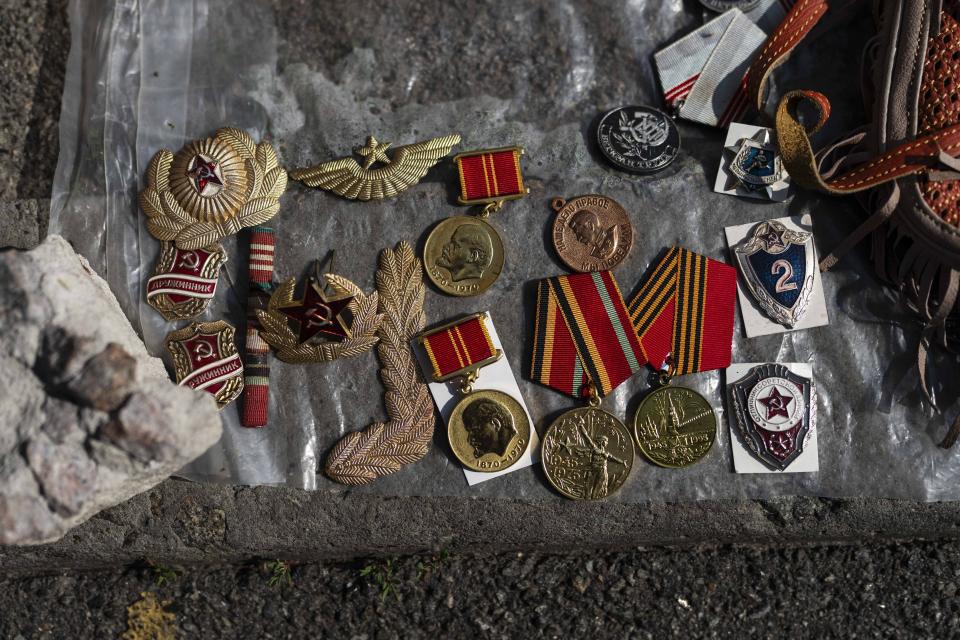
{"x":755,"y":321}
{"x":743,"y":461}
{"x":727,"y":184}
{"x":498,"y":376}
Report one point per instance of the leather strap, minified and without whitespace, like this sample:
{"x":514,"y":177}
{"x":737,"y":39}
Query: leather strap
{"x":916,"y":156}
{"x":794,"y":28}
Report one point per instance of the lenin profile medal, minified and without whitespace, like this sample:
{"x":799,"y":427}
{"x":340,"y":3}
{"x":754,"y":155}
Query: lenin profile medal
{"x":463,"y":255}
{"x":488,"y":429}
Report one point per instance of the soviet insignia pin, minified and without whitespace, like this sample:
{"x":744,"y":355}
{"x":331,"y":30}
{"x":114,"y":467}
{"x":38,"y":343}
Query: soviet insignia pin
{"x":205,"y":358}
{"x":211,"y":189}
{"x":752,"y":166}
{"x":184,"y":280}
{"x":463,"y":255}
{"x":320,"y":326}
{"x":778,"y":266}
{"x":382,"y":175}
{"x":774,"y":411}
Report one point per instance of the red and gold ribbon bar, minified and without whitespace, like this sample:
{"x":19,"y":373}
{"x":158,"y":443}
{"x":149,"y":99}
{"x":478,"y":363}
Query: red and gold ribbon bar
{"x":256,"y":389}
{"x":583,"y":335}
{"x":684,"y":309}
{"x":460,"y":347}
{"x":490,"y":175}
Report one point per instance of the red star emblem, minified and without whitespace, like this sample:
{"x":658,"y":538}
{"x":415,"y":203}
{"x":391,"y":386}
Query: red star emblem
{"x":318,"y":315}
{"x":776,"y":404}
{"x":203,"y":173}
{"x":774,"y":239}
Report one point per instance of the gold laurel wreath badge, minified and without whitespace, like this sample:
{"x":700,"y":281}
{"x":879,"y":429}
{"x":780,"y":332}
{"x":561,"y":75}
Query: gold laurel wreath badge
{"x":385,"y":447}
{"x":287,"y":346}
{"x":212,"y":188}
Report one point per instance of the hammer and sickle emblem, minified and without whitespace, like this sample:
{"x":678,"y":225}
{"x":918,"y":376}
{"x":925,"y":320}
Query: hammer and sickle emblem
{"x":190,"y":260}
{"x":202,"y":350}
{"x":319,"y":316}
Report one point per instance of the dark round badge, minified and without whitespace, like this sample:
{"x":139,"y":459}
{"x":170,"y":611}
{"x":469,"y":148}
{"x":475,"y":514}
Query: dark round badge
{"x":725,"y":5}
{"x":638,"y":139}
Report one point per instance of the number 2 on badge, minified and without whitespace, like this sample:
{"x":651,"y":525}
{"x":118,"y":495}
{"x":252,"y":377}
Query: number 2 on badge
{"x":783,"y":283}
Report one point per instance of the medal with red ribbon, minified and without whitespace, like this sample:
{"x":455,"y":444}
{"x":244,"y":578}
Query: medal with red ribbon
{"x":488,"y":429}
{"x":463,"y":255}
{"x":585,"y":346}
{"x":584,"y":343}
{"x":683,"y":317}
{"x":684,"y":311}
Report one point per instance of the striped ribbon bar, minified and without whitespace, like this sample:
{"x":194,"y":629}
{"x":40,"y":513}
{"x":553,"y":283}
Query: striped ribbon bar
{"x":583,"y":335}
{"x":490,"y":175}
{"x":684,"y":309}
{"x":460,"y":347}
{"x":256,"y":391}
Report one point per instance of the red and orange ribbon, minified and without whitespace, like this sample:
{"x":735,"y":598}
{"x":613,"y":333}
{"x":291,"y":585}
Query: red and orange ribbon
{"x":460,"y":347}
{"x":583,"y":335}
{"x":490,"y":175}
{"x":684,"y":309}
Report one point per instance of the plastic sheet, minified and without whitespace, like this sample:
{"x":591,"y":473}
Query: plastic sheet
{"x":317,"y":79}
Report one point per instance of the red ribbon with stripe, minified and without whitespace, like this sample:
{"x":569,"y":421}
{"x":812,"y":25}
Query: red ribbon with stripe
{"x":684,"y":310}
{"x":583,"y":336}
{"x":458,"y":348}
{"x":490,"y":175}
{"x":256,"y":386}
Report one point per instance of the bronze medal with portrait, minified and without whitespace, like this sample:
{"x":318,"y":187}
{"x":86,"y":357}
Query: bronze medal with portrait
{"x":488,"y":431}
{"x":463,"y":255}
{"x":591,"y":232}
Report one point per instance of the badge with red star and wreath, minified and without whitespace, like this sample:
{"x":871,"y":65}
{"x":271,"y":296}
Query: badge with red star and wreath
{"x":317,"y":326}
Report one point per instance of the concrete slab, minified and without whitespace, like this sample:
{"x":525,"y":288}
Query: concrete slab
{"x":183,"y":523}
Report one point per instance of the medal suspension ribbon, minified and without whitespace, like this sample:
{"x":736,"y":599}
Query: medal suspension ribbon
{"x":584,"y":343}
{"x":683,"y":312}
{"x":460,"y":348}
{"x":490,"y":175}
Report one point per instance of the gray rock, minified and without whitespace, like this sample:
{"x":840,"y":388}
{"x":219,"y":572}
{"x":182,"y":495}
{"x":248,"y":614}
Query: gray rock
{"x":88,"y":418}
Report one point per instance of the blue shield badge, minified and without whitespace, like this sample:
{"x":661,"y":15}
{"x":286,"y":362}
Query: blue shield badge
{"x":777,"y":264}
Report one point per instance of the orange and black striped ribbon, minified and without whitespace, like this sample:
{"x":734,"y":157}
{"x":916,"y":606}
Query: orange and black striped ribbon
{"x":583,"y":335}
{"x":459,"y":347}
{"x":684,"y":311}
{"x":489,"y":175}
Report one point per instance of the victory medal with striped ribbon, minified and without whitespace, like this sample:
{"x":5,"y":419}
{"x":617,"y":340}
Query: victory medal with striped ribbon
{"x":683,"y":317}
{"x":585,"y":346}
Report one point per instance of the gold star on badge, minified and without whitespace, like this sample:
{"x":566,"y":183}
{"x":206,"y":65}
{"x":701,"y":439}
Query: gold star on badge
{"x":374,"y":151}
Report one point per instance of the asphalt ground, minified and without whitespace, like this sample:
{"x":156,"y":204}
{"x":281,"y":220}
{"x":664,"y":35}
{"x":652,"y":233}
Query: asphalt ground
{"x":894,"y":591}
{"x":904,"y":590}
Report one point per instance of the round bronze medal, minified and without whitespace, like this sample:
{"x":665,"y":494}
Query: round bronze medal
{"x":591,"y":233}
{"x":488,"y":431}
{"x":674,"y":427}
{"x":463,"y":256}
{"x":587,"y":454}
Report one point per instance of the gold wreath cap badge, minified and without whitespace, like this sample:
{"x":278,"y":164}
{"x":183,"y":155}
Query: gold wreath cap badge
{"x":317,"y":316}
{"x":393,"y":175}
{"x":211,"y":189}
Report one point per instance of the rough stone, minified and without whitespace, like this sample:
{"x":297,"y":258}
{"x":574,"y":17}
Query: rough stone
{"x":88,"y":417}
{"x":22,"y":220}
